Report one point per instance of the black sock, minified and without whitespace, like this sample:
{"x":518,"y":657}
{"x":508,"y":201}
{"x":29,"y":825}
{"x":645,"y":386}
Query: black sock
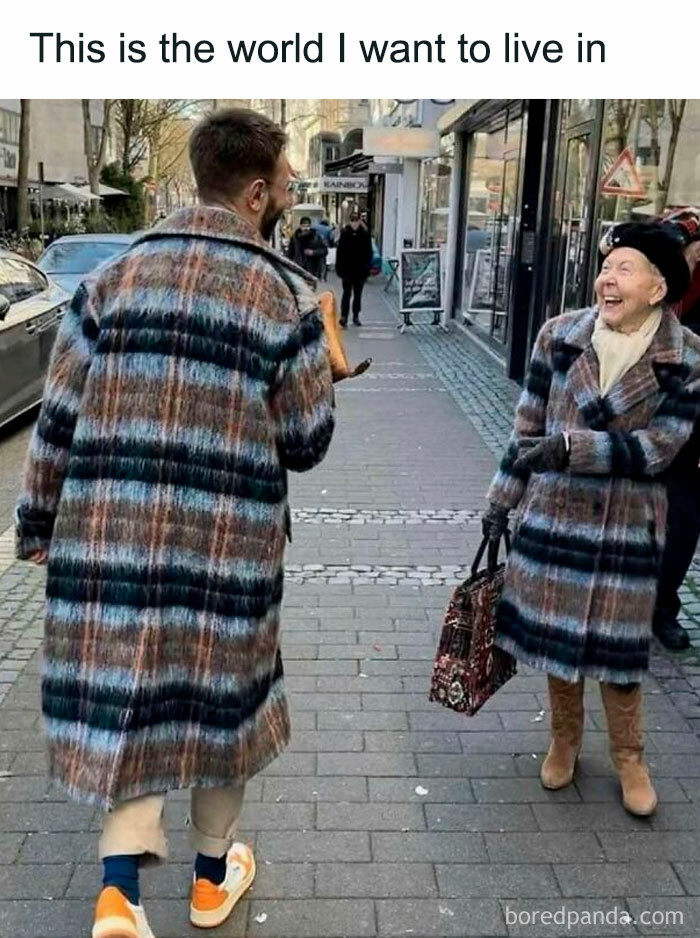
{"x":123,"y":872}
{"x":211,"y":868}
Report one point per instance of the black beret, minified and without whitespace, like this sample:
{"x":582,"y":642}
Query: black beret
{"x":661,"y":245}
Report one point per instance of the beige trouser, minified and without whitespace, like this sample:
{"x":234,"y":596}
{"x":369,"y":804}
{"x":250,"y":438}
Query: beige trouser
{"x":136,"y":826}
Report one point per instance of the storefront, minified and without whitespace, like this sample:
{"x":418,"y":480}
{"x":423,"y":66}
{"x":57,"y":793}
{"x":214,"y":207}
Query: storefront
{"x":539,"y":182}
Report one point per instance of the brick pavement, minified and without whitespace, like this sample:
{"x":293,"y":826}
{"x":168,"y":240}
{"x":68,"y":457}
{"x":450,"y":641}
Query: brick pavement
{"x":388,"y":815}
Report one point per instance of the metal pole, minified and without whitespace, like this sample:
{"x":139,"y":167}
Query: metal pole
{"x":41,"y":203}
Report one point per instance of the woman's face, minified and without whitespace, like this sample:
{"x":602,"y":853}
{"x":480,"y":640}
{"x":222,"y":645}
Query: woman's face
{"x":627,"y":287}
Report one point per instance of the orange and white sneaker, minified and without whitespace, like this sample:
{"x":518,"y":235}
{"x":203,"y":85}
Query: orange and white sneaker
{"x":116,"y":917}
{"x":210,"y":905}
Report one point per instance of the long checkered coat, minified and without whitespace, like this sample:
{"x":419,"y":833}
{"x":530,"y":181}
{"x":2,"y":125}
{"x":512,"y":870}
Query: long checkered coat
{"x":187,"y":377}
{"x":581,"y":578}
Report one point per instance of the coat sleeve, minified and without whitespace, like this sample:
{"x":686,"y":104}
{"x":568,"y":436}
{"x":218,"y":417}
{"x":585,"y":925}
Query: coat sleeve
{"x":52,"y":436}
{"x":509,"y":484}
{"x":302,"y":400}
{"x":639,"y":454}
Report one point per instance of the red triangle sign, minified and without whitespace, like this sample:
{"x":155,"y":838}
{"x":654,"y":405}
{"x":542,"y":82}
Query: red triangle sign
{"x":622,"y":178}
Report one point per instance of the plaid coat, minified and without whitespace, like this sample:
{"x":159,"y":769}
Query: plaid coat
{"x":187,"y":377}
{"x":581,"y":577}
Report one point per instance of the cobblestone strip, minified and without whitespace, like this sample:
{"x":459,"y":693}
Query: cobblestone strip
{"x":7,"y":549}
{"x":21,"y":625}
{"x":475,"y":381}
{"x":452,"y":516}
{"x":377,"y":574}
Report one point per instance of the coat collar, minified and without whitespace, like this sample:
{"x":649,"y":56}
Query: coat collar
{"x":220,"y":224}
{"x":640,"y":382}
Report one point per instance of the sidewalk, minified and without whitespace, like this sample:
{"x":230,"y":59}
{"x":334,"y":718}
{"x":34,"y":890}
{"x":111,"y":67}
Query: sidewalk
{"x":389,"y":815}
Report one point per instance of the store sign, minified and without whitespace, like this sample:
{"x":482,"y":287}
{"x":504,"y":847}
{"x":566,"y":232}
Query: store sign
{"x":409,"y":142}
{"x":8,"y":157}
{"x":338,"y":184}
{"x":421,"y":280}
{"x":622,"y":178}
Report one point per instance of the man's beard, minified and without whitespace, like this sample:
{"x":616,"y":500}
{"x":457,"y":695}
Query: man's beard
{"x":269,"y":220}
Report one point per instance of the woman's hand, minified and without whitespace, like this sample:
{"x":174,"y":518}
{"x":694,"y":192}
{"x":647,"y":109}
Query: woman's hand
{"x":39,"y":557}
{"x":542,"y":454}
{"x":494,"y":523}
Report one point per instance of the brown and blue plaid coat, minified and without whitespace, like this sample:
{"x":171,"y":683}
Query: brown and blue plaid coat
{"x":581,"y":577}
{"x":188,"y":376}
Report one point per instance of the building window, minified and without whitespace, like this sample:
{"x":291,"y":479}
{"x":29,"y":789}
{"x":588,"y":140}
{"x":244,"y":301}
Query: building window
{"x":435,"y":195}
{"x":492,"y":224}
{"x":9,"y":127}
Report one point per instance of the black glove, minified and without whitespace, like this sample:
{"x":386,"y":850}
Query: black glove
{"x":542,"y":454}
{"x":494,"y":523}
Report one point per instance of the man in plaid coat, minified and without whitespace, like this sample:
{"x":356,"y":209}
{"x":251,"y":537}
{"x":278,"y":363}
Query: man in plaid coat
{"x":188,"y":376}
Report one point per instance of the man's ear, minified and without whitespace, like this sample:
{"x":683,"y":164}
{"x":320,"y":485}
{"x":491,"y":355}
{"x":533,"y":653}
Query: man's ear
{"x":255,"y":194}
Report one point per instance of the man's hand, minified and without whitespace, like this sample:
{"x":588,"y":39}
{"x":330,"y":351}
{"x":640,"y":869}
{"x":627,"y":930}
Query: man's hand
{"x":308,"y":252}
{"x":542,"y":454}
{"x":494,"y":523}
{"x":39,"y":557}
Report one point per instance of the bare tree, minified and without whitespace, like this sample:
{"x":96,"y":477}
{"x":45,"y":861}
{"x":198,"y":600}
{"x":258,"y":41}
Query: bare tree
{"x":95,"y":155}
{"x":23,"y":166}
{"x":138,"y":121}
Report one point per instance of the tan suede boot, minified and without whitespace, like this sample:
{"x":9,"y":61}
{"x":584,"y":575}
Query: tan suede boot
{"x":566,"y":701}
{"x":623,"y":710}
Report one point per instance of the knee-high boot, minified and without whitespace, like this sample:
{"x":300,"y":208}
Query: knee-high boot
{"x":623,"y":711}
{"x":566,"y":701}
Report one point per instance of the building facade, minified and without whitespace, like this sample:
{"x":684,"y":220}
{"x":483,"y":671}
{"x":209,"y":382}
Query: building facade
{"x":534,"y":186}
{"x":56,"y":140}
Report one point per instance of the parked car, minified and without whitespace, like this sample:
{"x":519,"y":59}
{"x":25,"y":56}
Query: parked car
{"x":67,"y":260}
{"x":31,"y":307}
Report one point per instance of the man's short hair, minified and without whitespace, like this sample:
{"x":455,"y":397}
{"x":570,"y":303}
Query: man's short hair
{"x":230,"y":147}
{"x":305,"y":220}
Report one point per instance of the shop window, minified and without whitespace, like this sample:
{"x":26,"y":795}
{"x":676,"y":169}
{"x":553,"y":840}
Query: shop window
{"x":435,"y":196}
{"x":9,"y":126}
{"x":493,"y":220}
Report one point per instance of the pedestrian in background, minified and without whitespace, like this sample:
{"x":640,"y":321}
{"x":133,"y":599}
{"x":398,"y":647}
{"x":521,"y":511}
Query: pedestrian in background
{"x":611,"y":397}
{"x":325,"y":232}
{"x":353,"y":261}
{"x":683,"y":476}
{"x":307,"y":249}
{"x":187,"y":378}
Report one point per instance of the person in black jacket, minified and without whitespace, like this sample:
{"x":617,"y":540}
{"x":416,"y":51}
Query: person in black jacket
{"x":683,"y":476}
{"x":307,"y":249}
{"x":352,"y":264}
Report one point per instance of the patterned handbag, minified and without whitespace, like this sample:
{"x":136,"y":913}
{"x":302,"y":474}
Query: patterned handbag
{"x":468,"y":667}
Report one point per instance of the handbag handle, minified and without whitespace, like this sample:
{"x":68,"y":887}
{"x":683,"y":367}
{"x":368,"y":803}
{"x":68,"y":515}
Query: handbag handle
{"x":492,"y":558}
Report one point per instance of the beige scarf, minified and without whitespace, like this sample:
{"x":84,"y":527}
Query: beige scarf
{"x":618,"y":352}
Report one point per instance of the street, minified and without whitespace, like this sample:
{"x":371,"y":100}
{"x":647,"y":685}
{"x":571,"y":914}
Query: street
{"x":389,"y":815}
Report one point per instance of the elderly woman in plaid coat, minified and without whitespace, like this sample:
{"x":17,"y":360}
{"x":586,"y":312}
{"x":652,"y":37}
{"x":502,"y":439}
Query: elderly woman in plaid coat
{"x":611,"y":397}
{"x":188,"y":376}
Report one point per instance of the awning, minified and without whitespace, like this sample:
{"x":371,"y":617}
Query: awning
{"x":357,"y":162}
{"x":66,"y":192}
{"x":104,"y":190}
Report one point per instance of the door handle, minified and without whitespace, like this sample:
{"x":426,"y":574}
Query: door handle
{"x":31,"y":328}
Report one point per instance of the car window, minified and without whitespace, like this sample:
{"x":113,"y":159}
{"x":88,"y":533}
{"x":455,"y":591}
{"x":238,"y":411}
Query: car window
{"x":19,"y":281}
{"x":78,"y":257}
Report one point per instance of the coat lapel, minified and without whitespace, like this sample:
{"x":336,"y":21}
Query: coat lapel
{"x":639,"y":383}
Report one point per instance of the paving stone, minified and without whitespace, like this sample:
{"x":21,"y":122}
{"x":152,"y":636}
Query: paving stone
{"x":370,"y":817}
{"x":314,"y":846}
{"x":363,"y":720}
{"x":441,"y":918}
{"x":315,"y":788}
{"x":368,"y":763}
{"x":421,"y":791}
{"x":9,"y":847}
{"x":674,"y":846}
{"x":618,"y":879}
{"x":519,"y":791}
{"x":315,"y":741}
{"x":37,"y":918}
{"x":480,"y":817}
{"x":552,"y":847}
{"x":46,"y":881}
{"x":586,"y":817}
{"x":484,"y":880}
{"x":680,"y":915}
{"x":526,"y":917}
{"x":55,"y":847}
{"x":315,"y":918}
{"x":413,"y":847}
{"x":376,"y":880}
